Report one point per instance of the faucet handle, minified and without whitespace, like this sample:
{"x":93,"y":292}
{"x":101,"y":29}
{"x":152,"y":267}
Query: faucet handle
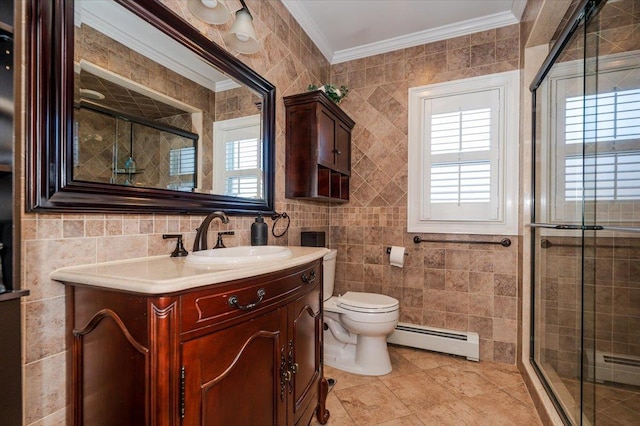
{"x":179,"y":251}
{"x":220,"y":243}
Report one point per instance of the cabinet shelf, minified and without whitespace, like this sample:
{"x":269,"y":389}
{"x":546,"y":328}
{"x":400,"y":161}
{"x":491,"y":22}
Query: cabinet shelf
{"x":318,"y":158}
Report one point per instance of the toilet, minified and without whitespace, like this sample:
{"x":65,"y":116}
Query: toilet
{"x":356,"y":326}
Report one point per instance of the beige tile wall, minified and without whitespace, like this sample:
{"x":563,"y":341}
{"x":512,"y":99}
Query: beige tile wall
{"x":457,"y":286}
{"x":610,"y":300}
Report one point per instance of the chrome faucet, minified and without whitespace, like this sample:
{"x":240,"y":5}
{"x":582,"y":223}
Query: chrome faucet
{"x":200,"y":242}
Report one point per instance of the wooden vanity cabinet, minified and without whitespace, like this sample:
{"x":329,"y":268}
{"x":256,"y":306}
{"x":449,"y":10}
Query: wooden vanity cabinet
{"x":318,"y":150}
{"x":191,"y":358}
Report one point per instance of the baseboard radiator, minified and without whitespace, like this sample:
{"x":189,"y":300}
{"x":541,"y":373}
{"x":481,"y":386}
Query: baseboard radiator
{"x":614,"y":368}
{"x":465,"y":344}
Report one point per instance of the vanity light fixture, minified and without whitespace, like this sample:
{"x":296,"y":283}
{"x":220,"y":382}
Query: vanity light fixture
{"x":242,"y":36}
{"x":211,"y":11}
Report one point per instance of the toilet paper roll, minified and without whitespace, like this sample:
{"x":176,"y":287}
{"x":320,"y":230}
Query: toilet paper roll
{"x":396,"y":257}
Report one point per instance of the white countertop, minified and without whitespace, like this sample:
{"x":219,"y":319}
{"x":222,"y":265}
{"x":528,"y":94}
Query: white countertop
{"x":164,"y":274}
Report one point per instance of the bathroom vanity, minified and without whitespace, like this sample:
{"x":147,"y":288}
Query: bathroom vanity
{"x":158,"y":341}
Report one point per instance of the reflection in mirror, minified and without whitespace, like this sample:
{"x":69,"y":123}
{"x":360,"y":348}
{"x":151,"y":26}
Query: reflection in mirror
{"x":123,"y":96}
{"x":146,"y":108}
{"x":110,"y":147}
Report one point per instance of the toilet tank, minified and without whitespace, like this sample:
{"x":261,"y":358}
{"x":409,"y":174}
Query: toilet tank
{"x":328,"y":273}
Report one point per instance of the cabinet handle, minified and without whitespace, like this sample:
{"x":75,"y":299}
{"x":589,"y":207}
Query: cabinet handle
{"x":309,"y":279}
{"x":337,"y":151}
{"x":233,"y":301}
{"x":295,"y":368}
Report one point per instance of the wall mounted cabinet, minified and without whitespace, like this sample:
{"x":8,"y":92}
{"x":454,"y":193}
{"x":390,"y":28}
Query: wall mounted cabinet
{"x":318,"y":158}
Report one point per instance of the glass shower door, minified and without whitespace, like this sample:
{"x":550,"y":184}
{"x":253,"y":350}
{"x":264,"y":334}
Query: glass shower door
{"x":558,"y":230}
{"x":586,"y":221}
{"x":611,"y":373}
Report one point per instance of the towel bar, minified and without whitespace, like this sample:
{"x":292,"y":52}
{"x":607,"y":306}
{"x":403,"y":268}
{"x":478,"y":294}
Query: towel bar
{"x":505,"y":242}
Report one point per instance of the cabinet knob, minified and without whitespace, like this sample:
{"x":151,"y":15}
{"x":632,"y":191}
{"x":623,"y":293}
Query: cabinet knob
{"x":337,"y":151}
{"x":309,"y":279}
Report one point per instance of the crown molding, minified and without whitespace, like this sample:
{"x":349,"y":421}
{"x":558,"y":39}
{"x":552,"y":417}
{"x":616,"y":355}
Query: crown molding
{"x":428,"y":36}
{"x":517,"y":8}
{"x":415,"y":39}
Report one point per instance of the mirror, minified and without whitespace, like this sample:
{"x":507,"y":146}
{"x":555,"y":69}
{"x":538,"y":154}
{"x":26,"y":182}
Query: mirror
{"x":143,"y":114}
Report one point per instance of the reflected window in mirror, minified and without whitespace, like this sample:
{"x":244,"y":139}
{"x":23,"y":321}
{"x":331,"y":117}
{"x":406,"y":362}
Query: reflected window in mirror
{"x":238,"y":157}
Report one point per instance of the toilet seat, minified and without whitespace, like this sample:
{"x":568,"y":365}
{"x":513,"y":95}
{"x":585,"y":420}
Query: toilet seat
{"x":367,"y":302}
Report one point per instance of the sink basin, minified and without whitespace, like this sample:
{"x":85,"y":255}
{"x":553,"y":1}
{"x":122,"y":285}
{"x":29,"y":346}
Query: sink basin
{"x":237,"y":257}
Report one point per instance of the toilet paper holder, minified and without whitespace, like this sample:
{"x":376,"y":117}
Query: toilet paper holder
{"x":389,"y":251}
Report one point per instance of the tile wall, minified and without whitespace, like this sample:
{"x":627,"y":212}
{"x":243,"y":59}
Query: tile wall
{"x":611,"y":298}
{"x":455,"y":286}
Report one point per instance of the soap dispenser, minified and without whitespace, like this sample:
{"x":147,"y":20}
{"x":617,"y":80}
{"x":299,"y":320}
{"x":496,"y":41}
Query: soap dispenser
{"x":259,"y":232}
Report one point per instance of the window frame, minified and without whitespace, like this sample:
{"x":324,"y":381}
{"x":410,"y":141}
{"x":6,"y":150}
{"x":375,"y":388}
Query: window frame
{"x":505,"y":220}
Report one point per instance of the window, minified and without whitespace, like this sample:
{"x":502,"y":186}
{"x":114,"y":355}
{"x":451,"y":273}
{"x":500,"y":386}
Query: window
{"x":463,"y":150}
{"x":238,"y":157}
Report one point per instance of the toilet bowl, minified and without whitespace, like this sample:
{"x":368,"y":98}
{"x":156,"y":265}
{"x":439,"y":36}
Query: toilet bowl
{"x":356,"y":327}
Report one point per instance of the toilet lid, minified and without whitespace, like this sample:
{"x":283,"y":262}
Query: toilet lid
{"x":366,"y":301}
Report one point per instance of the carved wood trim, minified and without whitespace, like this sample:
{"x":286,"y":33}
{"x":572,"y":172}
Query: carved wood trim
{"x":317,"y":317}
{"x":108,"y":313}
{"x":78,"y":351}
{"x":322,"y":414}
{"x":268,"y":334}
{"x":165,"y":360}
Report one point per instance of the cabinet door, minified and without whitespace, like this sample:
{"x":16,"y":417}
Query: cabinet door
{"x":326,"y":138}
{"x":343,"y":149}
{"x":306,"y":326}
{"x":233,"y":376}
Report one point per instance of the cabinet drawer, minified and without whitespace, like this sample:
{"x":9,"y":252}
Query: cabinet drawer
{"x":215,"y":305}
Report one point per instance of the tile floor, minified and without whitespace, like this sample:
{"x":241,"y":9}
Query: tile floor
{"x":428,"y":388}
{"x":606,"y":404}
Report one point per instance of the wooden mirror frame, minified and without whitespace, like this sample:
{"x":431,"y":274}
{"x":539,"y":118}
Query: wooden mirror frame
{"x":49,"y":92}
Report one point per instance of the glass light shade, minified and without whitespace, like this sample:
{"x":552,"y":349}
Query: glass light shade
{"x":242,"y":36}
{"x":210,"y":11}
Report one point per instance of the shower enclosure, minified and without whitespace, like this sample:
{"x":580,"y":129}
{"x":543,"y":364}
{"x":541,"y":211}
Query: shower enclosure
{"x":117,"y":148}
{"x":586,"y":216}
